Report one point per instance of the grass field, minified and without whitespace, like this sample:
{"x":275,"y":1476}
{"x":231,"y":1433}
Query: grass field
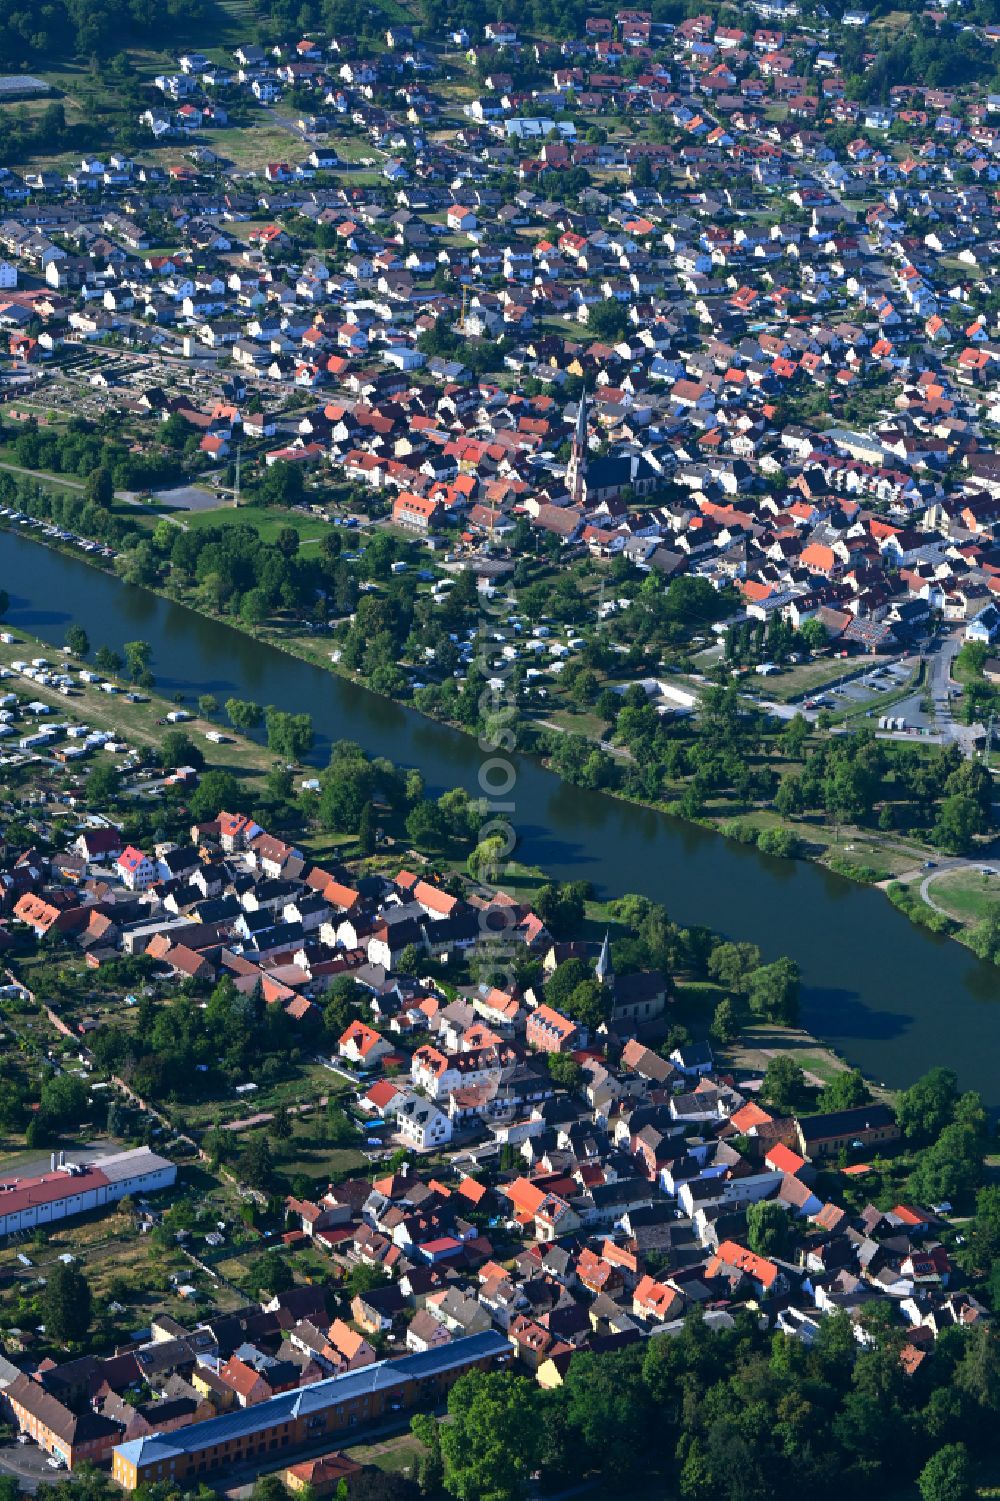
{"x":306,"y":1154}
{"x":809,"y":677}
{"x":967,"y":895}
{"x":268,"y":523}
{"x":251,"y":147}
{"x":307,"y":1085}
{"x":393,"y":1456}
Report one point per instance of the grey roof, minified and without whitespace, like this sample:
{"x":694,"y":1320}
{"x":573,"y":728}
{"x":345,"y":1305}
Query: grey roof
{"x":385,"y":1375}
{"x":131,"y":1164}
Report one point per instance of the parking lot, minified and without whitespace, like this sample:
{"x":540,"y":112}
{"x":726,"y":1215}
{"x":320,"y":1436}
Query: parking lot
{"x":29,"y":1466}
{"x":866,"y":692}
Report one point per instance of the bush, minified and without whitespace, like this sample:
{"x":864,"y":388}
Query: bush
{"x":740,"y":830}
{"x":918,"y":911}
{"x":778,"y":842}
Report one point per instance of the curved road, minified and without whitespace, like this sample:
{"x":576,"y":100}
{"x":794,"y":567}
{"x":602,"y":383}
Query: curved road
{"x":945,"y":868}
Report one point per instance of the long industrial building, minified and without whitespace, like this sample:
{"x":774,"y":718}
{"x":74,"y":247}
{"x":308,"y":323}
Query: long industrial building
{"x":264,"y":1434}
{"x":78,"y":1187}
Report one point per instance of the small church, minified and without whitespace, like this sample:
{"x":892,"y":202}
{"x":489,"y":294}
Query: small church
{"x":591,"y":481}
{"x":637,"y":999}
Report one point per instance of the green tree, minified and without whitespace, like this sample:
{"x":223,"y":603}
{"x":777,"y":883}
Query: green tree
{"x":138,"y":655}
{"x":984,"y":1233}
{"x":950,"y":1169}
{"x":785,"y":1085}
{"x":363,"y":1279}
{"x":564,"y":980}
{"x":347,"y":787}
{"x":789,"y":800}
{"x":282,"y":485}
{"x":984,"y":938}
{"x":65,"y":1303}
{"x":254,"y":608}
{"x":289,"y":735}
{"x":491,"y":1444}
{"x":959,"y":820}
{"x":340,"y":1130}
{"x":425,"y":825}
{"x":733,"y":964}
{"x":412,"y":959}
{"x":219,"y":1145}
{"x":486,"y":860}
{"x":178,"y":749}
{"x":103,"y":783}
{"x":430,"y":1466}
{"x":725,"y":1022}
{"x":366,"y":830}
{"x":218,"y":791}
{"x":64,"y":1102}
{"x":846,"y":1090}
{"x":774,"y":992}
{"x":256,"y":1162}
{"x":589,"y":1004}
{"x":100,"y":488}
{"x":77,"y":640}
{"x":280,"y":1126}
{"x":768,"y":1232}
{"x":562,"y":907}
{"x":794,"y":737}
{"x":244,"y":714}
{"x":927,"y":1106}
{"x":607,"y":320}
{"x":271,"y":1274}
{"x":812,"y":634}
{"x":564,"y":1070}
{"x":108,"y":661}
{"x":948,"y":1475}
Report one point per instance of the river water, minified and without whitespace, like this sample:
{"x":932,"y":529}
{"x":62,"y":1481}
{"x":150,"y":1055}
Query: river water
{"x":893,"y":998}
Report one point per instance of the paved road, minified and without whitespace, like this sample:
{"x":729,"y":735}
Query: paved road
{"x":940,"y":657}
{"x":945,"y":868}
{"x":605,"y":745}
{"x":29,"y":1467}
{"x":59,"y":479}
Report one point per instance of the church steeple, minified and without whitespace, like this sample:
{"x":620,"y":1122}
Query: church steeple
{"x":576,"y":470}
{"x":603,"y":969}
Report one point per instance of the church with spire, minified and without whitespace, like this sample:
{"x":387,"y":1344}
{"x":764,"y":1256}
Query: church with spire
{"x":637,"y":1001}
{"x":576,"y":469}
{"x":603,"y":970}
{"x":592,"y":481}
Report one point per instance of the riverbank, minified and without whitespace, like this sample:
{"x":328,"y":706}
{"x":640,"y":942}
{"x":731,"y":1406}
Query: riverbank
{"x":888,"y":996}
{"x":139,"y":724}
{"x":142,"y":725}
{"x":860,"y":855}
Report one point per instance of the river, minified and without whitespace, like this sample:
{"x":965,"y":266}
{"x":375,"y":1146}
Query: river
{"x":893,"y":998}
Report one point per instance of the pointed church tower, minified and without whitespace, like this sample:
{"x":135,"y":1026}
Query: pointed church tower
{"x":576,"y":469}
{"x":603,"y":969}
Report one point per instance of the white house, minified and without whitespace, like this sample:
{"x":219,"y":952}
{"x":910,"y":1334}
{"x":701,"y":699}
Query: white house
{"x":137,"y":870}
{"x":985,"y":626}
{"x":421,"y":1125}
